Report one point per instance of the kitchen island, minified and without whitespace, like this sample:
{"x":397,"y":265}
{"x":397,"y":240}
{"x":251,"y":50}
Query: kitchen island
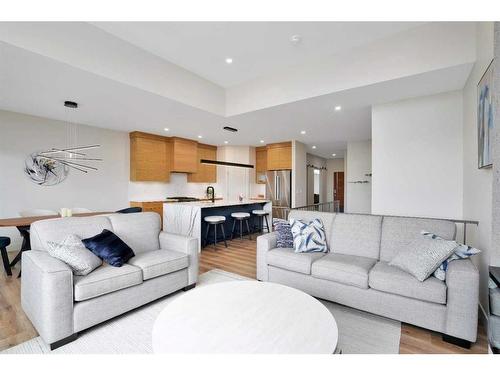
{"x":186,"y":218}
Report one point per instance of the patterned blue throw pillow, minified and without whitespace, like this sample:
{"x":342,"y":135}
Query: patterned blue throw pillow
{"x":460,"y":252}
{"x":284,"y":237}
{"x":308,"y":237}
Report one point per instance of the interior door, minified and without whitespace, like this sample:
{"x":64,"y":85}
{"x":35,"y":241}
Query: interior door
{"x":338,"y":189}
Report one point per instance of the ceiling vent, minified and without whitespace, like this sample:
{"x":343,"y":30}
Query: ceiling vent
{"x":230,"y":129}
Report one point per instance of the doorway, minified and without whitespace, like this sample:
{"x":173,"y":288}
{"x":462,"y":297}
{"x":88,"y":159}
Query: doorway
{"x":338,"y":189}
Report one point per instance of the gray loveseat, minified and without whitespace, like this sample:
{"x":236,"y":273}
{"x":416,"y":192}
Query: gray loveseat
{"x":60,"y":304}
{"x":356,"y":273}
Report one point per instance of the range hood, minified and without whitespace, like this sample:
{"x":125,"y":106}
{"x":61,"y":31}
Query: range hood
{"x":225,"y":163}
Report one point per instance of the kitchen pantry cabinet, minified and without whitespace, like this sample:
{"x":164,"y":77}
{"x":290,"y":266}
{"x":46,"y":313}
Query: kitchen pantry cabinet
{"x":279,"y":156}
{"x":150,"y":157}
{"x":260,"y":164}
{"x":205,"y":172}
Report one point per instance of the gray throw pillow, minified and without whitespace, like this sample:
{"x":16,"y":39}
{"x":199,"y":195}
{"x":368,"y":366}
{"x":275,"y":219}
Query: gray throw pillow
{"x":422,"y":256}
{"x":72,"y":252}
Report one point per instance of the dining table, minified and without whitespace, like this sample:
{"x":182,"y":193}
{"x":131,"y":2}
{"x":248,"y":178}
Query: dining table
{"x":23,"y":225}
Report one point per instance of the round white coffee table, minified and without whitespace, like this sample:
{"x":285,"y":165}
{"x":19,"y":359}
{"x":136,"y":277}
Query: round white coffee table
{"x":245,"y":317}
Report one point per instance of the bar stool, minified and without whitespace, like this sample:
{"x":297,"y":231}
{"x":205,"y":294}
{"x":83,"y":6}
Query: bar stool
{"x":214,"y":221}
{"x":241,"y":217}
{"x":261,"y":215}
{"x":4,"y":242}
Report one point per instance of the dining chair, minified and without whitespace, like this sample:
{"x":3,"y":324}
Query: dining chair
{"x":25,"y":230}
{"x":129,"y":210}
{"x":4,"y":242}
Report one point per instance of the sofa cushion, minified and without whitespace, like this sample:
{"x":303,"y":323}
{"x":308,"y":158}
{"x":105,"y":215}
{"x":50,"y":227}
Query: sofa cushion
{"x":159,"y":262}
{"x":345,"y":269}
{"x":106,"y":279}
{"x":140,"y":231}
{"x":292,"y":261}
{"x":56,"y":230}
{"x":326,"y":218}
{"x":392,"y":280}
{"x":358,"y":235}
{"x":397,"y":232}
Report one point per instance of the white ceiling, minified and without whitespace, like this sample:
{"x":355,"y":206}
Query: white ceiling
{"x":38,"y":85}
{"x":33,"y":83}
{"x":257,"y":48}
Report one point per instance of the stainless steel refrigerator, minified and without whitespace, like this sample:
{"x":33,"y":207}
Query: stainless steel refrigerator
{"x":279,"y":190}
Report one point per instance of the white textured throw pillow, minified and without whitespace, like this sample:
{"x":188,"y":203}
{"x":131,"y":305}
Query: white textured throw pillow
{"x":460,"y":252}
{"x":308,"y":237}
{"x":72,"y":252}
{"x":422,"y":256}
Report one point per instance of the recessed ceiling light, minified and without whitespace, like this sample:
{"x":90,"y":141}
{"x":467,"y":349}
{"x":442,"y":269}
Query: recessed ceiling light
{"x":338,"y":107}
{"x":200,"y":136}
{"x":229,"y":60}
{"x":302,"y":132}
{"x":334,"y":154}
{"x":295,"y":39}
{"x":313,"y":147}
{"x":226,"y":142}
{"x":166,"y":129}
{"x":261,"y":141}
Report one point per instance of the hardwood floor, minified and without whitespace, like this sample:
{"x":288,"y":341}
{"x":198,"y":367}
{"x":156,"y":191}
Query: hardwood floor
{"x":238,"y":258}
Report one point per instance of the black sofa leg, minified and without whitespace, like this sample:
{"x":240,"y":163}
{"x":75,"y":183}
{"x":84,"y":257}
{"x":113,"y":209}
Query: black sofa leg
{"x":189,"y":287}
{"x":456,"y":341}
{"x":63,"y":341}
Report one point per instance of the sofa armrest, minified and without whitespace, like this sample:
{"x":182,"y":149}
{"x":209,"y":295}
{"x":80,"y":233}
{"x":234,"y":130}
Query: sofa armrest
{"x":47,"y":295}
{"x":265,"y":243}
{"x":183,"y":244}
{"x":462,"y":281}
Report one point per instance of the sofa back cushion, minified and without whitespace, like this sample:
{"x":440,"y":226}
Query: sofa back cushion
{"x":326,"y":218}
{"x":355,"y":234}
{"x":140,"y":231}
{"x":56,"y":230}
{"x":398,"y":232}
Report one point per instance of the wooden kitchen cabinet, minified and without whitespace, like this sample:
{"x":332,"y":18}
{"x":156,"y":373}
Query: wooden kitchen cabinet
{"x":260,"y":164}
{"x":149,"y":157}
{"x":205,"y":172}
{"x":184,"y":155}
{"x":279,"y":156}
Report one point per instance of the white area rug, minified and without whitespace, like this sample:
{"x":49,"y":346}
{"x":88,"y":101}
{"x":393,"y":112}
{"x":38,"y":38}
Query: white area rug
{"x":359,"y":332}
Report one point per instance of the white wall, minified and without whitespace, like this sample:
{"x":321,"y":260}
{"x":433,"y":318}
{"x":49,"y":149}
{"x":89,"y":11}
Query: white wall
{"x":321,"y":179}
{"x":102,"y":190}
{"x":418,"y":156}
{"x":299,"y":174}
{"x":332,"y":166}
{"x":477,"y":184}
{"x":358,"y":197}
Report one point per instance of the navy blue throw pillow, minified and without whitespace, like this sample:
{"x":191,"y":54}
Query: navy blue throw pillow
{"x":284,"y":237}
{"x":109,"y":247}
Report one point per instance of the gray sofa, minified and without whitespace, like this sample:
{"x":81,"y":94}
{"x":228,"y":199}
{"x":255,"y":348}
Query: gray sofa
{"x":356,"y":272}
{"x":60,"y":304}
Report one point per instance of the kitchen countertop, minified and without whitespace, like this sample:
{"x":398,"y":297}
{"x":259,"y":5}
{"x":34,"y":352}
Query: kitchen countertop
{"x":163,"y":200}
{"x":218,"y":203}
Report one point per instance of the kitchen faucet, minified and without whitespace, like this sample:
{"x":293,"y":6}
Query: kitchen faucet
{"x":211,"y":193}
